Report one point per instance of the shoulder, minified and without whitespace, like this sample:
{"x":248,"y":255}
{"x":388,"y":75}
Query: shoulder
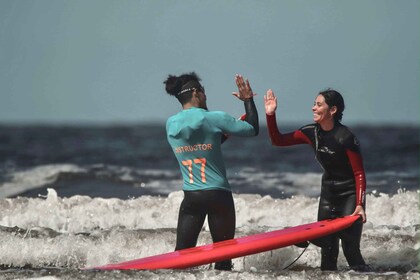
{"x":347,"y":138}
{"x":308,"y":127}
{"x":218,"y":114}
{"x":343,"y":132}
{"x":170,"y":120}
{"x":171,"y":123}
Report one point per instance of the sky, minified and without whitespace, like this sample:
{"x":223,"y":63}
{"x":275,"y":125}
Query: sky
{"x":104,"y":61}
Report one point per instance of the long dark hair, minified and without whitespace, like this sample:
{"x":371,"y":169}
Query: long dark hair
{"x":182,"y":86}
{"x":334,"y":98}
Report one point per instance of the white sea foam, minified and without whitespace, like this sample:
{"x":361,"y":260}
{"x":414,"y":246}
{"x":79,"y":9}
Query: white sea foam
{"x":82,"y":231}
{"x":83,"y":213}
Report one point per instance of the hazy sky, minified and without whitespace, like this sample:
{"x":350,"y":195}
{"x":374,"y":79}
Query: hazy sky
{"x":105,"y":61}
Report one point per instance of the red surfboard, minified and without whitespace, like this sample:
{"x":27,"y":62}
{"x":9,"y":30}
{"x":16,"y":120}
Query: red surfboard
{"x":235,"y":248}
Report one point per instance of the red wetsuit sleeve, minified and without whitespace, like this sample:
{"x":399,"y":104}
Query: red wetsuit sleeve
{"x":359,"y":175}
{"x":288,"y":139}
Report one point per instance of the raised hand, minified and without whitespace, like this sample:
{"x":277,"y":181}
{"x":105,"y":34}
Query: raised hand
{"x":244,"y":89}
{"x":270,"y":101}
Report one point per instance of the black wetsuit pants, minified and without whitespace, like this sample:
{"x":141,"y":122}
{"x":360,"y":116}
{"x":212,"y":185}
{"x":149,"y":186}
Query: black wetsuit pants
{"x":333,"y":205}
{"x":219,"y":207}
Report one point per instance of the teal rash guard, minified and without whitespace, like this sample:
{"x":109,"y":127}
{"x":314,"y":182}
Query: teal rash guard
{"x":195,"y":137}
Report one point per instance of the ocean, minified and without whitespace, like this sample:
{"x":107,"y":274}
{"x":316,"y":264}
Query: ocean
{"x":76,"y":196}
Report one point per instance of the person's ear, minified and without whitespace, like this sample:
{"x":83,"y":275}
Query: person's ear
{"x":195,"y":94}
{"x":333,"y":110}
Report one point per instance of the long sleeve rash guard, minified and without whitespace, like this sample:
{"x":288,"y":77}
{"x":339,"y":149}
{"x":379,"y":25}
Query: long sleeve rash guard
{"x":195,"y":137}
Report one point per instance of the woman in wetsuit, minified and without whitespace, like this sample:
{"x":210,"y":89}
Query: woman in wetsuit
{"x":195,"y":135}
{"x":343,"y":180}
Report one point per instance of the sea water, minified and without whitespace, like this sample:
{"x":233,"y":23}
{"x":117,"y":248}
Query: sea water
{"x":81,"y":196}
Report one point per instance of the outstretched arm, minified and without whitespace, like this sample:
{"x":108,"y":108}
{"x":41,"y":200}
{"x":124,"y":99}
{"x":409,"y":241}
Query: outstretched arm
{"x":277,"y":138}
{"x":246,"y":95}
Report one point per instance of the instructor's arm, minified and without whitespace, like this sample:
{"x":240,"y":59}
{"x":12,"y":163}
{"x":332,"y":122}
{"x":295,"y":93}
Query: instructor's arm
{"x":247,"y":96}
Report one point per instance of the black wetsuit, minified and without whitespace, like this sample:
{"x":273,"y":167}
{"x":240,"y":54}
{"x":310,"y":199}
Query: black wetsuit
{"x":343,"y":184}
{"x":219,"y":207}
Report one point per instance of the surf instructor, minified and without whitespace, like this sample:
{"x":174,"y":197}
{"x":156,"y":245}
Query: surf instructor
{"x":343,"y":181}
{"x":195,"y":135}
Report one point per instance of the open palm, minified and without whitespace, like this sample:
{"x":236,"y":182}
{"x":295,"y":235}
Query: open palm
{"x":270,"y":101}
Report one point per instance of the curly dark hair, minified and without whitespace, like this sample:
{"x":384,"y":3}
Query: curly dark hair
{"x":175,"y":84}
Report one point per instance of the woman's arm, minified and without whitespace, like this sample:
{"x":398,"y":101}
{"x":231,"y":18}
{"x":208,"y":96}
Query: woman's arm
{"x":288,"y":139}
{"x":356,"y":163}
{"x":277,"y":138}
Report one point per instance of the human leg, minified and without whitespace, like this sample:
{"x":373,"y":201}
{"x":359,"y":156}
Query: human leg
{"x":222,"y":219}
{"x":190,"y":222}
{"x":350,"y":237}
{"x":330,"y":243}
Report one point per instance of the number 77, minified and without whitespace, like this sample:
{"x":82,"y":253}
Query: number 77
{"x":189,"y":164}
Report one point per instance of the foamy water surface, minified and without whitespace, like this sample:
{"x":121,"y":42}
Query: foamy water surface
{"x":67,"y":234}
